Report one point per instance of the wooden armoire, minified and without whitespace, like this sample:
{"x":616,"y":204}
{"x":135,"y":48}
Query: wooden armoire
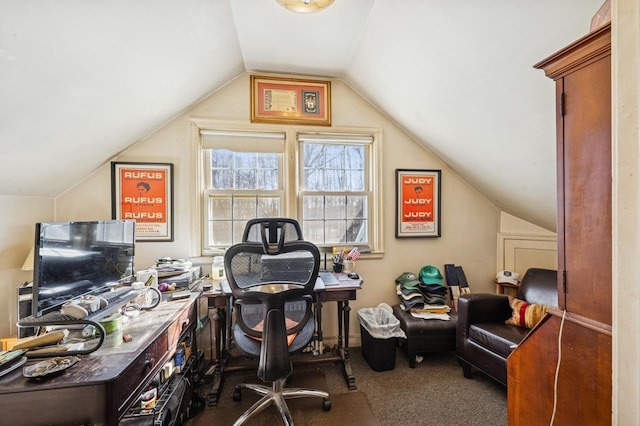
{"x":562,"y":370}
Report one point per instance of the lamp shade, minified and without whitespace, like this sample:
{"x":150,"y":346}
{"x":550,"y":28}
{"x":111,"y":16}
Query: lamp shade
{"x":305,"y":6}
{"x":28,"y":262}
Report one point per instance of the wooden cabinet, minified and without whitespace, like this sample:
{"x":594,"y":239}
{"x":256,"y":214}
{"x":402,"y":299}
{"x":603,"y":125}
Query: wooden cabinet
{"x":582,"y":72}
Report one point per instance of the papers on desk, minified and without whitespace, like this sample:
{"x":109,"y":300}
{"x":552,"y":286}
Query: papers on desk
{"x":332,"y":279}
{"x":328,"y":278}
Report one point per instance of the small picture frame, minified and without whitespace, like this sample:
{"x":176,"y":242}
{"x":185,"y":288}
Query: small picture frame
{"x":144,"y":192}
{"x":418,"y":203}
{"x":290,"y":101}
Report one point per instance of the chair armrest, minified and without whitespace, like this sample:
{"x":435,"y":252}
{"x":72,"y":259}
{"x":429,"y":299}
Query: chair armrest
{"x":482,"y":307}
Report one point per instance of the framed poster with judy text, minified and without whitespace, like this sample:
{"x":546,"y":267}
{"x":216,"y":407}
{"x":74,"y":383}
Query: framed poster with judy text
{"x":144,"y":192}
{"x":290,"y":101}
{"x":417,"y":203}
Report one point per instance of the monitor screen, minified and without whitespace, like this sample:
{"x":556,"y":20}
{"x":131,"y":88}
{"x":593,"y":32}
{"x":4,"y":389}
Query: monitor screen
{"x":72,"y":259}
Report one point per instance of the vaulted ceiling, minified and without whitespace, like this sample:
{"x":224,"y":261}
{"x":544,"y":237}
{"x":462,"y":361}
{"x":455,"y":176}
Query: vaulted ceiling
{"x":80,"y":80}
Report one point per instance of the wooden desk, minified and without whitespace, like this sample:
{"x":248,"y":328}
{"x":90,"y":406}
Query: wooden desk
{"x":101,"y":387}
{"x":222,"y":301}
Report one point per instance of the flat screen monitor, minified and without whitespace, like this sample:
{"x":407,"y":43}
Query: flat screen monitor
{"x":73,"y":259}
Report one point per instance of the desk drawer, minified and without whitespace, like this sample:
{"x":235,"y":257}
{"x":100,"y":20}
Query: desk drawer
{"x":186,"y":320}
{"x":139,"y":373}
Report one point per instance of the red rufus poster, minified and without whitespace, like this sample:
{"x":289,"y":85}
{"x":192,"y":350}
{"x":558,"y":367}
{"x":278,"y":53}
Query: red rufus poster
{"x":144,"y":195}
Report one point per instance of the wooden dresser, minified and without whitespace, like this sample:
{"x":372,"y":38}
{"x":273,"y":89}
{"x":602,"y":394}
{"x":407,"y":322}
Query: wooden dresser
{"x":582,"y":389}
{"x":101,"y":387}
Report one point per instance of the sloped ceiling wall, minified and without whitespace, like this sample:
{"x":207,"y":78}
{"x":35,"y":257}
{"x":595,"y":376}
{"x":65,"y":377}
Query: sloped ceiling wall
{"x":81,"y":81}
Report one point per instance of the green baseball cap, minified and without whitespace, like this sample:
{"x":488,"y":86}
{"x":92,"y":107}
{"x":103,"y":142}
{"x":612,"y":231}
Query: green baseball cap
{"x":430,"y":275}
{"x":408,"y":280}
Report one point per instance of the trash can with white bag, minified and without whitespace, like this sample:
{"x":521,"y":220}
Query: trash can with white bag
{"x":379,"y":333}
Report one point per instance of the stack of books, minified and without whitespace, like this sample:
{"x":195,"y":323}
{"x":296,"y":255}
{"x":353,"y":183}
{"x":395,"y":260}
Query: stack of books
{"x":10,"y":360}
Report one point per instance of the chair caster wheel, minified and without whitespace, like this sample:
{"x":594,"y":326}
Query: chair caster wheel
{"x":237,"y":394}
{"x":326,"y":404}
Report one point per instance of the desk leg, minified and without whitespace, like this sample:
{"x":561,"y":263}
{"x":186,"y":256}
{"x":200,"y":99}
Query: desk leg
{"x":220,"y":335}
{"x":343,"y":328}
{"x":318,"y":347}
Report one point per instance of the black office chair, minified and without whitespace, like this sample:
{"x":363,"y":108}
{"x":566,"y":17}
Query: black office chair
{"x":286,"y":229}
{"x":272,"y":276}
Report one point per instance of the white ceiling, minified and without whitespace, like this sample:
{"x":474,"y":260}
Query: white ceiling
{"x":80,"y":80}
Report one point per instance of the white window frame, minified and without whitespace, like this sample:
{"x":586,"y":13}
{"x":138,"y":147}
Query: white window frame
{"x":238,"y":141}
{"x":291,"y":167}
{"x":365,"y":141}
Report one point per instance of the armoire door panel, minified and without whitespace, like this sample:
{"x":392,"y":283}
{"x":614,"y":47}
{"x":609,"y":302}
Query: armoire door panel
{"x":587,"y":191}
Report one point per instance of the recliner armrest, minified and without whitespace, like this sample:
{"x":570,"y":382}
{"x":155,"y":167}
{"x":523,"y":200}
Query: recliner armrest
{"x":482,"y":307}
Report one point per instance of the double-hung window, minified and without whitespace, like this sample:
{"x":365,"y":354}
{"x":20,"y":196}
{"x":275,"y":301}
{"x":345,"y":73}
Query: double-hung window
{"x":326,"y":181}
{"x":335,"y":192}
{"x":243,"y":178}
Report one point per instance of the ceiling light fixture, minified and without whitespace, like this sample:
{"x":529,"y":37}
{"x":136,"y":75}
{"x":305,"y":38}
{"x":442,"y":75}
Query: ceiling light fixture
{"x":305,"y":6}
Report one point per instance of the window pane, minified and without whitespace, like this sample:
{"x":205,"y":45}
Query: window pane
{"x":313,"y":230}
{"x":220,"y":207}
{"x":313,"y":179}
{"x":220,"y":233}
{"x":357,"y":231}
{"x":313,"y":207}
{"x":335,"y":231}
{"x":268,"y":180}
{"x":244,"y":207}
{"x":354,"y":156}
{"x":268,"y":161}
{"x":268,"y":207}
{"x":221,"y":158}
{"x":245,"y":160}
{"x":354,"y":180}
{"x":335,"y":207}
{"x":238,"y":230}
{"x":245,"y":179}
{"x":334,"y":180}
{"x":356,"y":206}
{"x":222,"y":179}
{"x":313,"y":156}
{"x":334,"y":156}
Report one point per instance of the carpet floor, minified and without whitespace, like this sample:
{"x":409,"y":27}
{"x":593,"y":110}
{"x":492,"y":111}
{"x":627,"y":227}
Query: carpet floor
{"x":346,"y":409}
{"x":433,"y":393}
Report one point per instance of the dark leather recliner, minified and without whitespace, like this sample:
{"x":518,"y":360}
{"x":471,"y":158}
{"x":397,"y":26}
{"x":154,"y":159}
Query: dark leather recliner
{"x":483,"y":340}
{"x":272,"y":275}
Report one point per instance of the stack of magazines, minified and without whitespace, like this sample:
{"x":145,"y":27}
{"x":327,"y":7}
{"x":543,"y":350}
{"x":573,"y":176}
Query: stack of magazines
{"x":10,"y":360}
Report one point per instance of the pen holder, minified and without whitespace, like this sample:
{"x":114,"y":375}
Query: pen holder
{"x":337,"y":267}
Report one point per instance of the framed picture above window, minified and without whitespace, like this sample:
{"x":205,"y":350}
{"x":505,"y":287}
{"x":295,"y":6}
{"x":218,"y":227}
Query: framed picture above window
{"x":290,"y":101}
{"x":417,"y":203}
{"x":144,"y":192}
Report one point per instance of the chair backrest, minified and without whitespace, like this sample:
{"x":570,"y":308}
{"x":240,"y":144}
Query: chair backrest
{"x":272,"y":230}
{"x":539,"y":286}
{"x":272,"y":281}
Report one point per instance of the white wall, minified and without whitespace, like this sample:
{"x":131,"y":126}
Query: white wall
{"x":469,"y":222}
{"x":522,"y":245}
{"x":19,"y":215}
